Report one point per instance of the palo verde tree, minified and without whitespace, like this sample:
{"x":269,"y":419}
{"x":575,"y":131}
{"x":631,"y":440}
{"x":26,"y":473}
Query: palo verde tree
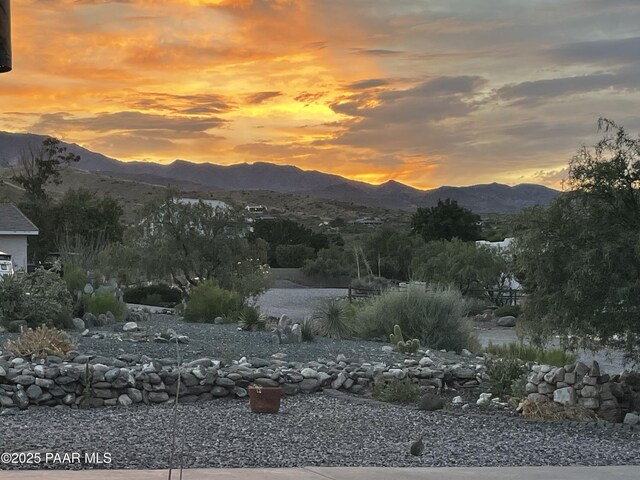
{"x":445,"y":221}
{"x":579,"y":259}
{"x":38,"y":167}
{"x":189,"y":243}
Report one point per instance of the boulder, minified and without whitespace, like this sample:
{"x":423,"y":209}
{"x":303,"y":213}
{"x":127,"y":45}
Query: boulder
{"x":130,"y":327}
{"x":78,"y":324}
{"x":565,"y":396}
{"x":430,"y":402}
{"x":507,"y":321}
{"x":632,"y":419}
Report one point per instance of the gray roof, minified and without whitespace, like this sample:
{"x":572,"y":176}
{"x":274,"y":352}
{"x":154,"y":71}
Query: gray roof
{"x":13,"y":220}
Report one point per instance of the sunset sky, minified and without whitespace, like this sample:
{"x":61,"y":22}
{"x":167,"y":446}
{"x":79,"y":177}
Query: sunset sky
{"x":426,"y":92}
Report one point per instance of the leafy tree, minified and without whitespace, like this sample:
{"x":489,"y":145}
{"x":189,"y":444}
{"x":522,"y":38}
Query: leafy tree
{"x":461,"y":264}
{"x":38,"y":167}
{"x":330,"y":262}
{"x":286,"y":232}
{"x":79,"y":223}
{"x":389,"y":252}
{"x":187,"y":244}
{"x":445,"y":221}
{"x":579,"y":259}
{"x":293,"y":256}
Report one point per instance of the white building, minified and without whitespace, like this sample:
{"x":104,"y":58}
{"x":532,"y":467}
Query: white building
{"x":15,"y":228}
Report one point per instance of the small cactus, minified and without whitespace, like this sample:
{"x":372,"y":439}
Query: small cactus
{"x":397,"y":339}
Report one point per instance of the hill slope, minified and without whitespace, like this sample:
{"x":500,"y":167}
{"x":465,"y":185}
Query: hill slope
{"x":491,"y":198}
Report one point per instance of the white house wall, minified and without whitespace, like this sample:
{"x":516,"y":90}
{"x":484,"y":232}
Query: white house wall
{"x":16,"y":246}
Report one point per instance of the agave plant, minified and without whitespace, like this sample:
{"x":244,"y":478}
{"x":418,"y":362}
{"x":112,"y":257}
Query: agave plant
{"x":331,"y":319}
{"x":251,"y":319}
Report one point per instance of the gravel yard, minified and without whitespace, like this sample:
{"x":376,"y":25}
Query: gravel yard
{"x":311,"y":430}
{"x":223,"y":342}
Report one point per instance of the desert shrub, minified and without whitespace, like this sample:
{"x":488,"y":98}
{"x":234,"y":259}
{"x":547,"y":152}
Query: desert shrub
{"x":502,"y":373}
{"x":308,"y":329}
{"x":168,"y":296}
{"x":555,"y":411}
{"x":250,"y":319}
{"x":396,"y":391}
{"x":154,"y":300}
{"x":75,"y":278}
{"x":106,"y":302}
{"x":293,"y":256}
{"x":435,"y":317}
{"x":508,"y":310}
{"x":41,"y":342}
{"x":331,"y":319}
{"x":12,"y":299}
{"x":208,"y":301}
{"x":529,"y":353}
{"x":38,"y":298}
{"x":475,"y":306}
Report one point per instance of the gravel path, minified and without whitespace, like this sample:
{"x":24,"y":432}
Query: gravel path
{"x":313,"y":430}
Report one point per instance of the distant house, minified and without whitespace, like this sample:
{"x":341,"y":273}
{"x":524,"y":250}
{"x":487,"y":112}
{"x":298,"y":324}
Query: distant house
{"x":215,"y":204}
{"x":15,"y":228}
{"x":255,"y":208}
{"x":371,"y":221}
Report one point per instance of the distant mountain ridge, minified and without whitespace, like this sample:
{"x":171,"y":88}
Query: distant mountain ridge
{"x":490,"y":198}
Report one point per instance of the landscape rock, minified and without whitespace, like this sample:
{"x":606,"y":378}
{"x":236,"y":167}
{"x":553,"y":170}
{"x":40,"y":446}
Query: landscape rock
{"x":430,"y":402}
{"x":507,"y":321}
{"x":130,"y":327}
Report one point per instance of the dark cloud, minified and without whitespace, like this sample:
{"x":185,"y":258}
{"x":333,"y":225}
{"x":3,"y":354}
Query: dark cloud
{"x":371,"y":83}
{"x":616,"y":51}
{"x":409,"y":120}
{"x":309,"y":97}
{"x":546,"y":89}
{"x":376,"y":52}
{"x":200,"y":104}
{"x":260,"y":97}
{"x":127,"y":121}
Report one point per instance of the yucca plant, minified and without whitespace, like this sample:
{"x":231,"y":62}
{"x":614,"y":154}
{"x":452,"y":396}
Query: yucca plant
{"x":250,"y":319}
{"x":308,"y":328}
{"x":332,"y":320}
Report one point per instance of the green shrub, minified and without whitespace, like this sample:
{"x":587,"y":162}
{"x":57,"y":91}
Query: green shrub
{"x":434,"y":317}
{"x":529,"y":353}
{"x":250,"y":319}
{"x":39,"y":298}
{"x":104,"y":302}
{"x":13,"y":299}
{"x":75,"y":277}
{"x":169,"y":296}
{"x":396,"y":391}
{"x":508,"y":311}
{"x":208,"y":301}
{"x":502,"y":373}
{"x":331,"y":319}
{"x":308,"y":329}
{"x":41,"y":342}
{"x":293,"y":256}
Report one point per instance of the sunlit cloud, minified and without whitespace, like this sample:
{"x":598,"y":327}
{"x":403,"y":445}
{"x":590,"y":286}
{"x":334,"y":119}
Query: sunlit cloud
{"x":420,"y":91}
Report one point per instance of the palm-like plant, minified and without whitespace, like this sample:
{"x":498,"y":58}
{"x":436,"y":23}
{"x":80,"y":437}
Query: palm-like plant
{"x":331,"y":319}
{"x":251,"y":319}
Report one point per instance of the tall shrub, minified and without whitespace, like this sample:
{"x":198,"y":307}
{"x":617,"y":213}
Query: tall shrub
{"x":435,"y":317}
{"x":208,"y":301}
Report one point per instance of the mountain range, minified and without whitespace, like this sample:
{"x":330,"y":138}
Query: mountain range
{"x":488,"y":198}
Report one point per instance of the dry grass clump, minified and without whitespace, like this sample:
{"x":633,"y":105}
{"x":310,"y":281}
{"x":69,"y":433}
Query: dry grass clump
{"x":42,"y":341}
{"x":554,"y":411}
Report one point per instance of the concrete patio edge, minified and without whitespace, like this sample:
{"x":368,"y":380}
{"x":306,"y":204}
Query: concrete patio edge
{"x":339,"y":473}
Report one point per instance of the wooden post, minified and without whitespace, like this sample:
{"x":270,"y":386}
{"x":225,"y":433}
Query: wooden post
{"x":5,"y":36}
